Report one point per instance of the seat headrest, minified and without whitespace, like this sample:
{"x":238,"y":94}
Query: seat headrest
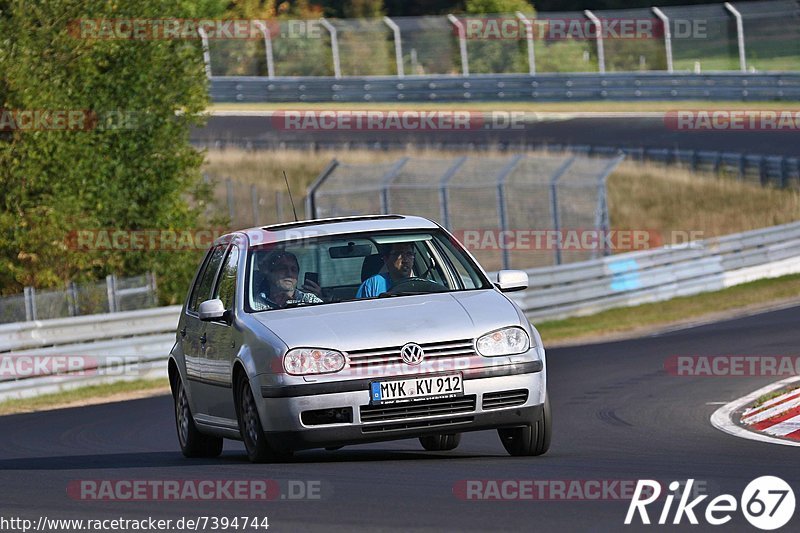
{"x":372,"y":265}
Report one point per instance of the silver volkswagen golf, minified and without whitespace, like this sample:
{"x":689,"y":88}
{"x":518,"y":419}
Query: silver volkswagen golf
{"x":324,"y":333}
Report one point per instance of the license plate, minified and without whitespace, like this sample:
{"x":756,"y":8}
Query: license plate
{"x":401,"y":390}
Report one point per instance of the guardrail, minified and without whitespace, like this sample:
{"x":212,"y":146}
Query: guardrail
{"x":621,"y":86}
{"x":87,"y":328}
{"x":634,"y":278}
{"x":775,"y":170}
{"x":67,"y":353}
{"x":573,"y":289}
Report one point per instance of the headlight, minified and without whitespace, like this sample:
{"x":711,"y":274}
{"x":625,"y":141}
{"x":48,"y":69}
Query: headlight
{"x":302,"y":361}
{"x":506,"y":341}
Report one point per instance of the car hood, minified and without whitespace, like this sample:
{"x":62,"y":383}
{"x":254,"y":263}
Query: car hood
{"x":364,"y":324}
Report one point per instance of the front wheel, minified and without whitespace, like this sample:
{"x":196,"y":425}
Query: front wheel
{"x":258,"y":449}
{"x":192,"y":442}
{"x":531,"y":439}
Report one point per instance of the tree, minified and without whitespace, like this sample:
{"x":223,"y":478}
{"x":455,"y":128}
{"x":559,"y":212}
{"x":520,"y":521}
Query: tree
{"x":130,"y":167}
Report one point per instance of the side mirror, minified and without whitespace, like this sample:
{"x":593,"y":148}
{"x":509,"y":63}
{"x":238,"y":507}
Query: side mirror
{"x":512,"y":280}
{"x":211,"y":310}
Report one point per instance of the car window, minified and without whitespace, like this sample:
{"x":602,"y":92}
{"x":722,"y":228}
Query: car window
{"x":226,"y":288}
{"x":342,"y":264}
{"x":205,"y":281}
{"x":466,"y":274}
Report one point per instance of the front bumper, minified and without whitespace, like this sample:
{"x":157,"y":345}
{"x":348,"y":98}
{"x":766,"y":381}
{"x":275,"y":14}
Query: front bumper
{"x":281,"y":409}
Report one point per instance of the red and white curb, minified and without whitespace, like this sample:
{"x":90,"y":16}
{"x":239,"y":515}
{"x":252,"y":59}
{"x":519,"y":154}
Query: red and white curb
{"x":779,"y":417}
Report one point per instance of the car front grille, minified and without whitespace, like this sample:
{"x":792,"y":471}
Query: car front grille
{"x":498,"y":400}
{"x":391,"y":355}
{"x":404,"y":415}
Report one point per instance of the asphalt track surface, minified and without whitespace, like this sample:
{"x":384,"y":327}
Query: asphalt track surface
{"x":616,"y":131}
{"x":618,"y":415}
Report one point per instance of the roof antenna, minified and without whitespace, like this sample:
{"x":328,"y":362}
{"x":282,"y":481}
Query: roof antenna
{"x":290,"y":195}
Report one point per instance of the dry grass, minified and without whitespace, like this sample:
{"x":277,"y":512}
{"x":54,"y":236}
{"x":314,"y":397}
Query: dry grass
{"x":641,"y":195}
{"x":649,"y":196}
{"x":89,"y":395}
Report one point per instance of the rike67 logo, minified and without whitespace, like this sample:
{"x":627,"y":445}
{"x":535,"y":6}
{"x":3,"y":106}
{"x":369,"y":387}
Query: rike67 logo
{"x":767,"y":503}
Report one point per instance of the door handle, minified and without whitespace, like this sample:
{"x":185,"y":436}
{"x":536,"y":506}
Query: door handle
{"x":183,"y":331}
{"x":203,"y":338}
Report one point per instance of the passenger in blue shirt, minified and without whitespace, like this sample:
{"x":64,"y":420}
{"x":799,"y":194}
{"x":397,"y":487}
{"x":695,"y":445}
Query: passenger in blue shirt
{"x":399,"y":260}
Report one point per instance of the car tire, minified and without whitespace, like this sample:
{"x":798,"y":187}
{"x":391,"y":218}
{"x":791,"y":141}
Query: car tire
{"x":440,"y":443}
{"x":192,"y":442}
{"x":531,"y":439}
{"x":255,"y":441}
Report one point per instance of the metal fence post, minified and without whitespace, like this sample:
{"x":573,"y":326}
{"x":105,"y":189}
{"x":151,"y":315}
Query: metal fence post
{"x":279,"y":205}
{"x":398,"y":46}
{"x":254,"y":202}
{"x":30,"y":303}
{"x":462,"y":43}
{"x":554,"y":202}
{"x":206,"y":51}
{"x":667,"y":36}
{"x":742,"y":166}
{"x":72,"y":291}
{"x":337,"y":66}
{"x":601,"y":217}
{"x":784,"y":171}
{"x":229,"y":194}
{"x":601,"y":56}
{"x":739,"y":35}
{"x":529,"y":38}
{"x":111,"y":292}
{"x":502,"y":211}
{"x":443,"y":182}
{"x":311,"y":191}
{"x":267,"y":47}
{"x":387,"y":179}
{"x":153,"y":287}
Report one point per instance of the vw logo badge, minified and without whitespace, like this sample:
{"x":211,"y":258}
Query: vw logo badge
{"x":412,"y":354}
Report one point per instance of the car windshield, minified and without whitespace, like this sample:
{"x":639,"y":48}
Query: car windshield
{"x":325,"y":270}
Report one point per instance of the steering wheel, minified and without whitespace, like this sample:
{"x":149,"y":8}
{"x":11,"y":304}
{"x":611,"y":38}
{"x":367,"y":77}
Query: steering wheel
{"x":417,"y":284}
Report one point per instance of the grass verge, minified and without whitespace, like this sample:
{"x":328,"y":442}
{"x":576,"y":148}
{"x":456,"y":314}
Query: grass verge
{"x":555,"y":107}
{"x":123,"y":390}
{"x":684,"y":308}
{"x":774,"y":394}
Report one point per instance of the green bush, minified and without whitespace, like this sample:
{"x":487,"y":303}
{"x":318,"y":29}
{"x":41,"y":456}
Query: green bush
{"x":143,"y":175}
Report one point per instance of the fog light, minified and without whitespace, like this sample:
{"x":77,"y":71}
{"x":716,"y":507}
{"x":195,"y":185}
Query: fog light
{"x":318,"y":417}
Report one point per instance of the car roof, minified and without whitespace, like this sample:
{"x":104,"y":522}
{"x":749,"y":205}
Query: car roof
{"x":335,"y":226}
